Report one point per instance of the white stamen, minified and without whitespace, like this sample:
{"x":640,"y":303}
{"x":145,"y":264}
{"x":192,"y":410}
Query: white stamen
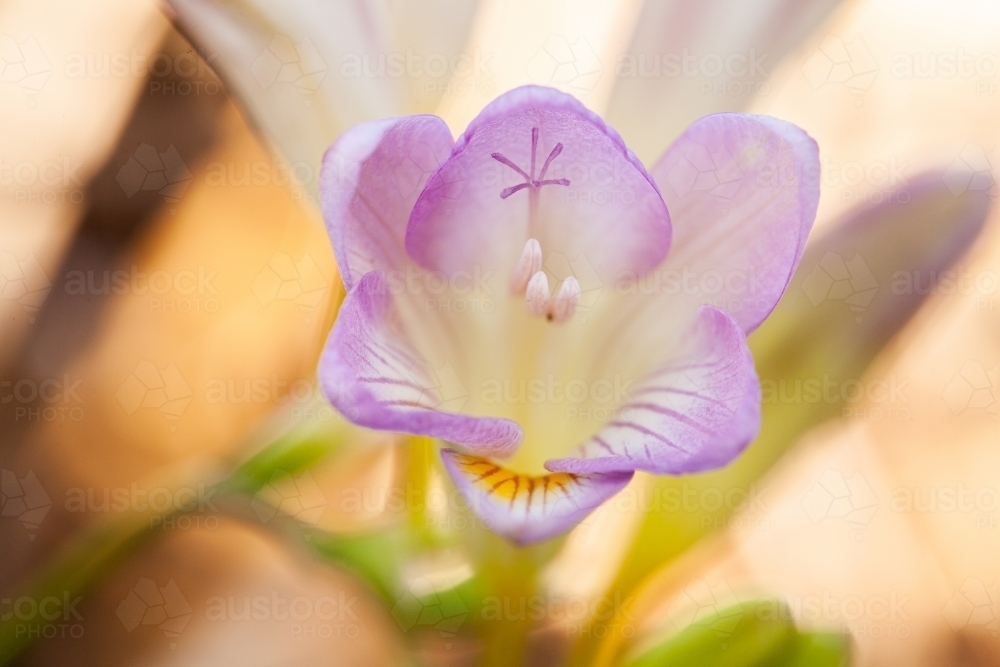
{"x":565,"y":302}
{"x":529,"y":264}
{"x":537,"y":294}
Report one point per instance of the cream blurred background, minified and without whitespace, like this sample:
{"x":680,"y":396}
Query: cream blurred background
{"x":167,"y":284}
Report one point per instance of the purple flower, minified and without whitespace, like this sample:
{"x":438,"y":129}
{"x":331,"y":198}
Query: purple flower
{"x":523,"y":294}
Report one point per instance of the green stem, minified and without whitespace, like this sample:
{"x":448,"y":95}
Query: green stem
{"x":512,"y":573}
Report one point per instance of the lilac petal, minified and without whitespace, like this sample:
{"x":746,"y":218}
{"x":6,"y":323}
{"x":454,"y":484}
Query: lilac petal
{"x":373,"y":375}
{"x":592,"y":198}
{"x":524,"y":508}
{"x":742,"y":192}
{"x":694,"y":413}
{"x":370,"y":178}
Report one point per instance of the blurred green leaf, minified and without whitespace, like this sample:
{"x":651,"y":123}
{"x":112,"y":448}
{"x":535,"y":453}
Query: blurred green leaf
{"x":296,"y":450}
{"x":749,"y":634}
{"x":374,"y":557}
{"x":819,"y":649}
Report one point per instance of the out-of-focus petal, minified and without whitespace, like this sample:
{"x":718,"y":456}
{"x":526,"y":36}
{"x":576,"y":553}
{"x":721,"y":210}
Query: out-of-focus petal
{"x":566,"y":45}
{"x":47,"y":162}
{"x":690,"y":59}
{"x":298,"y":67}
{"x":524,"y":508}
{"x":369,"y":181}
{"x":593,"y":198}
{"x":433,"y":34}
{"x":376,"y":378}
{"x":697,"y":412}
{"x":742,"y":192}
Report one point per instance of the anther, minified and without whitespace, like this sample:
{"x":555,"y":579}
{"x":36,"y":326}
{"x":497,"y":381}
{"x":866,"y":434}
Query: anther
{"x":529,"y":264}
{"x":537,"y":294}
{"x":566,"y":300}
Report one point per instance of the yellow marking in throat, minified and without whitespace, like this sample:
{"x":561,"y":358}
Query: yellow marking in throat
{"x":509,"y":485}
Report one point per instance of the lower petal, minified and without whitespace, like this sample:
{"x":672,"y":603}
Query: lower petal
{"x":376,"y":378}
{"x":696,"y":412}
{"x":524,"y":508}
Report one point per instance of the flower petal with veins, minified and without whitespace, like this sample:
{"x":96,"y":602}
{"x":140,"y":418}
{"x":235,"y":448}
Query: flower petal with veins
{"x":696,"y":412}
{"x":526,"y":508}
{"x":371,"y":177}
{"x":742,"y":192}
{"x":375,"y":377}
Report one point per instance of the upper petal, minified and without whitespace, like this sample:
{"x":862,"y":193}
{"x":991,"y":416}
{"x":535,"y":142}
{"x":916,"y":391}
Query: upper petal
{"x":491,"y":195}
{"x":696,"y":412}
{"x":374,"y":376}
{"x":284,"y":62}
{"x":370,"y":178}
{"x":742,"y":192}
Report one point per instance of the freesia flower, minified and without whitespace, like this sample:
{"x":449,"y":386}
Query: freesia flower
{"x":562,"y":317}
